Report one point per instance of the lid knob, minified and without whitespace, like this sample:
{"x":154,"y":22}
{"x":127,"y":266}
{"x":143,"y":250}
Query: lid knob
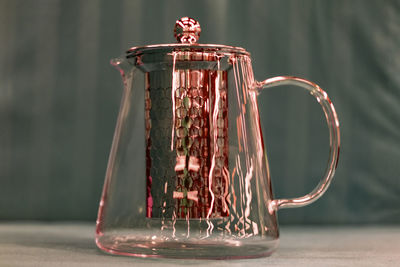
{"x":187,"y":30}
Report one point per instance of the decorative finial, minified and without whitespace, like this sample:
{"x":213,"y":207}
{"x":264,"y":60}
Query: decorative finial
{"x":187,"y":30}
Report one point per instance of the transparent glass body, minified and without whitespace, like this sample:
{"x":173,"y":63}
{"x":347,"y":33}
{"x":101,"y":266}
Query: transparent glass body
{"x":188,"y":175}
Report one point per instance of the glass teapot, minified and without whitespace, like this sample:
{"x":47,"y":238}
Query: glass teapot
{"x":187,"y":175}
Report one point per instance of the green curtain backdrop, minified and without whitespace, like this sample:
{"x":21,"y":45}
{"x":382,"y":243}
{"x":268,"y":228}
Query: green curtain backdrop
{"x":59,"y":97}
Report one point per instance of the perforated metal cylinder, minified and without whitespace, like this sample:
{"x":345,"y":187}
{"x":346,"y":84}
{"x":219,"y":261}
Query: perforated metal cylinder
{"x":187,"y":144}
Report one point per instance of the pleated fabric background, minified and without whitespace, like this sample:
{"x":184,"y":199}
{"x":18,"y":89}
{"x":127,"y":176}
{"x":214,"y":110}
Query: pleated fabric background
{"x":59,"y":97}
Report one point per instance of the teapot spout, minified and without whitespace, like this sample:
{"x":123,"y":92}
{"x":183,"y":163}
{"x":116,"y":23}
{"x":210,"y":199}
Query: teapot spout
{"x":121,"y":64}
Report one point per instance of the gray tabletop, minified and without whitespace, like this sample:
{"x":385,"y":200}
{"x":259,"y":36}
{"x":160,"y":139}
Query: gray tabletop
{"x":71,"y":244}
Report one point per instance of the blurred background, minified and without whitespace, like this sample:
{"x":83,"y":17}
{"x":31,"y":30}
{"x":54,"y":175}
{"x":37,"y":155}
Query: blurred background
{"x":59,"y":98}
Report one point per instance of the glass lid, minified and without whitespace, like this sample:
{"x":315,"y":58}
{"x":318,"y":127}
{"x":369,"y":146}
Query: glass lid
{"x":187,"y":33}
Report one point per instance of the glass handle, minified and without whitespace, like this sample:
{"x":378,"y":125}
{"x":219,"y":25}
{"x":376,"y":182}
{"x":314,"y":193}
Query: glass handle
{"x":334,"y":138}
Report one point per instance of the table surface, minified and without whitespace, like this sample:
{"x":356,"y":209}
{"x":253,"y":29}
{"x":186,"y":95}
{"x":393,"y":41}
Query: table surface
{"x":71,"y":244}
